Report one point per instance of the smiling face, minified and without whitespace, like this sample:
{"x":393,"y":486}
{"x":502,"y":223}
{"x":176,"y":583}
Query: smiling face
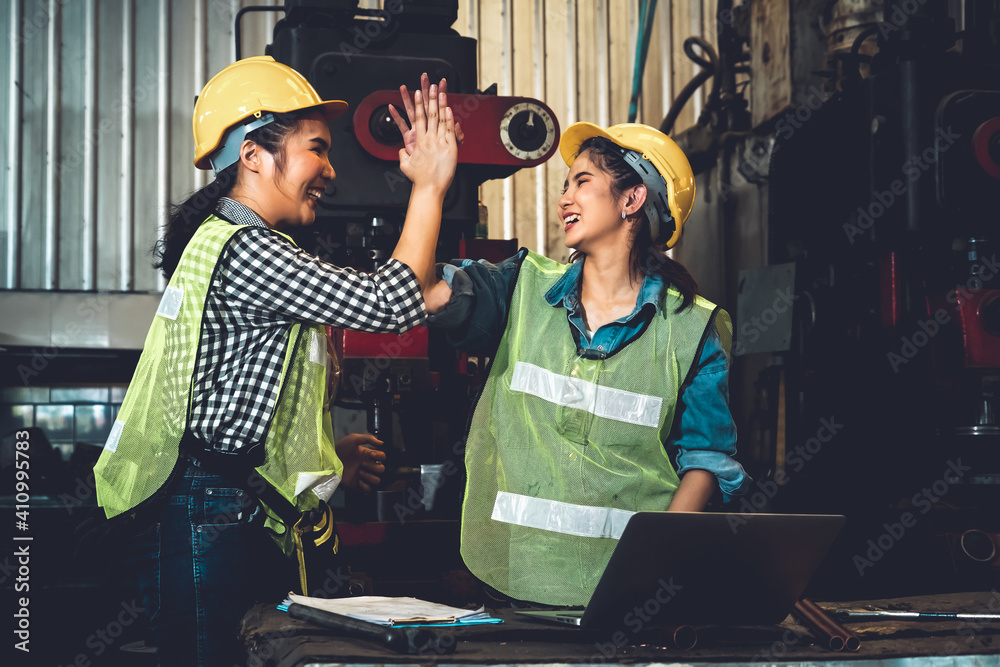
{"x":300,"y":175}
{"x":589,"y":209}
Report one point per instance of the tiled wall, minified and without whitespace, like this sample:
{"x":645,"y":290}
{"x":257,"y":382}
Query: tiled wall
{"x":68,"y":415}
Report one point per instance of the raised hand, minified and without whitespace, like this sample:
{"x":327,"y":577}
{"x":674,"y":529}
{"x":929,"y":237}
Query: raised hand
{"x":428,"y":158}
{"x":409,"y":134}
{"x":430,"y":145}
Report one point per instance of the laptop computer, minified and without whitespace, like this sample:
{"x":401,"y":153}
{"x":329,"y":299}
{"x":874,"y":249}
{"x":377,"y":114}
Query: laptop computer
{"x":705,"y":569}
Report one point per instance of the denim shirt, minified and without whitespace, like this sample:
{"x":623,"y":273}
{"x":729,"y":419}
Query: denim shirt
{"x":705,"y":436}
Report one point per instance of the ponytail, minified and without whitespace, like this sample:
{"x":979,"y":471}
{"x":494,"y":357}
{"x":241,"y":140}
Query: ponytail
{"x":186,"y":217}
{"x":646,"y":258}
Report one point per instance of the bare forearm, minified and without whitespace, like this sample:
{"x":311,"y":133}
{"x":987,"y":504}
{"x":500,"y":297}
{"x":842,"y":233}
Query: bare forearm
{"x":436,"y":295}
{"x":418,"y":240}
{"x":694,"y":492}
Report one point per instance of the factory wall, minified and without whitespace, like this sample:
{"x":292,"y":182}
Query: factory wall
{"x":97,"y":100}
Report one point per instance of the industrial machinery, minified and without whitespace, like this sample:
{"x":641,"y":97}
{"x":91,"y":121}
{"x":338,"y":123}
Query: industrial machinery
{"x":870,"y":332}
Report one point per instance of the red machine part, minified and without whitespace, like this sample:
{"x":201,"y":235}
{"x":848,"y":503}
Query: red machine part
{"x":362,"y":345}
{"x":494,"y":128}
{"x":363,"y":534}
{"x":978,"y":314}
{"x":987,"y":135}
{"x":891,"y":289}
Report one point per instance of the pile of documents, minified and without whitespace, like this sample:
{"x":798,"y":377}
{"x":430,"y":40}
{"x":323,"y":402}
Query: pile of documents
{"x":396,"y":611}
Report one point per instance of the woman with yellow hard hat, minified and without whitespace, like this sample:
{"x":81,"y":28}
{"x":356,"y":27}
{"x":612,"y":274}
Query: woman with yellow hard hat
{"x":607,"y":393}
{"x":225,"y":428}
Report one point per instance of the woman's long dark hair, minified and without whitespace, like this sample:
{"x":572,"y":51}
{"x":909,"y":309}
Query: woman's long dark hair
{"x":186,"y":217}
{"x":644,"y":258}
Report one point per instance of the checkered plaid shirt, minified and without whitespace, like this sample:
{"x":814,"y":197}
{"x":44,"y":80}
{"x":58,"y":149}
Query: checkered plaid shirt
{"x":261,"y":286}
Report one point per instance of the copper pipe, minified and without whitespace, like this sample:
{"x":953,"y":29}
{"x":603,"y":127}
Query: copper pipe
{"x":837,"y":636}
{"x":820,"y":623}
{"x":851,"y":640}
{"x":683,"y":636}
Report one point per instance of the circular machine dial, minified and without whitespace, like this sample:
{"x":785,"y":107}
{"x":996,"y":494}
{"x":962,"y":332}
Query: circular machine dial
{"x":527,"y":131}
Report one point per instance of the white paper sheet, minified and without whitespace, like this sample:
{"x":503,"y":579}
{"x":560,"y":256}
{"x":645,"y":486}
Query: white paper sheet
{"x":391,"y":611}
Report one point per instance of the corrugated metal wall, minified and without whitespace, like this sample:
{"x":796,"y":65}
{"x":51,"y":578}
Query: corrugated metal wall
{"x":97,"y":98}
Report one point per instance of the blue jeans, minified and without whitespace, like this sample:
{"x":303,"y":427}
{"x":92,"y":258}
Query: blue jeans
{"x":200,"y":560}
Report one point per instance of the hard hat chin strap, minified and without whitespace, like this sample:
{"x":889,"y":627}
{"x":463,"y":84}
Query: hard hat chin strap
{"x":656,"y":207}
{"x":229,"y":150}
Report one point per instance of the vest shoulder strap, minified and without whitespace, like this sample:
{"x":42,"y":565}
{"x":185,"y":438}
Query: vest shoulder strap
{"x":708,"y":313}
{"x":542,"y":264}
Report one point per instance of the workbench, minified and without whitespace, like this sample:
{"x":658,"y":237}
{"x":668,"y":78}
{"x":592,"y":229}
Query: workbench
{"x":274,"y":639}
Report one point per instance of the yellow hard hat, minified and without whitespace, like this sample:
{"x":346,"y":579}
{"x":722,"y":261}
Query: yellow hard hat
{"x":665,"y":156}
{"x":250,"y":88}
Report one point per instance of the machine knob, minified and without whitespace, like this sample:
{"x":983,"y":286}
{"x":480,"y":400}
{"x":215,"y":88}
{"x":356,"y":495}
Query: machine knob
{"x":527,"y":131}
{"x":383,"y":127}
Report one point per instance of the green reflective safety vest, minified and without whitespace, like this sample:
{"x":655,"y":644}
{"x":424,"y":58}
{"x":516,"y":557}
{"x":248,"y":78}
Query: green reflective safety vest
{"x":142,"y":449}
{"x":563,"y":449}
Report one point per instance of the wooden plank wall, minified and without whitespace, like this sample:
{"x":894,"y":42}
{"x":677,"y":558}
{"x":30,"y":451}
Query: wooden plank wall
{"x":577,"y":57}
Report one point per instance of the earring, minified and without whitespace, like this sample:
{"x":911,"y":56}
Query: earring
{"x":623,"y":215}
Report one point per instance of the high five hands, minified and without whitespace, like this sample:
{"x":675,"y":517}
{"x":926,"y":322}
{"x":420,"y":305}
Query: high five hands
{"x":430,"y":144}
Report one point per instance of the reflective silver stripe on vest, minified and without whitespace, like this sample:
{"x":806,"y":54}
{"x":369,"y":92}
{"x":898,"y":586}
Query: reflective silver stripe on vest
{"x":558,"y":517}
{"x":116,"y":434}
{"x":170,"y":302}
{"x":617,"y":404}
{"x":322,"y":486}
{"x":317,"y":348}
